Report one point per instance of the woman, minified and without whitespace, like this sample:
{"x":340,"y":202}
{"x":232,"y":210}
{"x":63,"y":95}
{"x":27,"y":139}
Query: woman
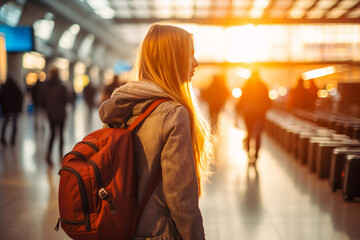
{"x":175,"y":135}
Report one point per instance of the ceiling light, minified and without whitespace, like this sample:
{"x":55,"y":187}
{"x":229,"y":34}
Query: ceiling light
{"x":123,"y":14}
{"x":325,"y":4}
{"x":141,"y":13}
{"x":120,"y":5}
{"x":240,"y":3}
{"x":160,"y":4}
{"x":106,"y":13}
{"x":261,"y":3}
{"x":296,"y":13}
{"x":202,"y":13}
{"x":256,"y":12}
{"x":316,"y":13}
{"x":335,"y":13}
{"x":277,"y":13}
{"x":139,"y":4}
{"x":282,"y":4}
{"x":354,"y":14}
{"x":239,"y":12}
{"x":303,"y":4}
{"x":220,"y":13}
{"x":184,"y":3}
{"x":347,"y":4}
{"x":162,"y":13}
{"x":98,"y":4}
{"x":203,"y":3}
{"x":222,"y":4}
{"x":184,"y":13}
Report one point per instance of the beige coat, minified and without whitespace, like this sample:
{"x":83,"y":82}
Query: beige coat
{"x":164,"y":138}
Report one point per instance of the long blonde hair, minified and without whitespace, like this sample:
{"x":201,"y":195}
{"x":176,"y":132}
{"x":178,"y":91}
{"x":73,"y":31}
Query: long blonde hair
{"x":163,"y":58}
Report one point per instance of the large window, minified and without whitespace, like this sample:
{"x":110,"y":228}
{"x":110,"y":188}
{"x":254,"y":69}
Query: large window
{"x":43,"y":28}
{"x":10,"y":13}
{"x":67,"y":40}
{"x":277,"y":43}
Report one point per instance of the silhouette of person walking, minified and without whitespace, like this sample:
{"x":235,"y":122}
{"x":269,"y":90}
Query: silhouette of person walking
{"x":89,"y":96}
{"x":11,"y":101}
{"x":253,"y":105}
{"x":36,"y":91}
{"x":215,"y":95}
{"x":301,"y":97}
{"x":54,"y":99}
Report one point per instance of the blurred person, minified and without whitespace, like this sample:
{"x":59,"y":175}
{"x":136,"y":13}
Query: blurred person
{"x":253,"y":105}
{"x":36,"y":91}
{"x":298,"y":96}
{"x":54,"y":99}
{"x":72,"y":97}
{"x":108,"y":90}
{"x":89,"y":95}
{"x":216,"y":95}
{"x":174,"y":137}
{"x":312,"y":94}
{"x":11,"y":101}
{"x":89,"y":98}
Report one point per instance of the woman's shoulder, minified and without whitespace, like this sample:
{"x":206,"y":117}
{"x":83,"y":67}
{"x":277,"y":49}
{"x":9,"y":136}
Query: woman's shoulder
{"x":174,"y":114}
{"x":173,"y":107}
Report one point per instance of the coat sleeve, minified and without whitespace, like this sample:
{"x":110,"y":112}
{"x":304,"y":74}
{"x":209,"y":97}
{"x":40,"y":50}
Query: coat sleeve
{"x":180,"y":183}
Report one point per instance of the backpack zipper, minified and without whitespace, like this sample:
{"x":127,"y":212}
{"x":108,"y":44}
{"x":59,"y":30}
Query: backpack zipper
{"x":90,"y":144}
{"x":70,"y":222}
{"x":84,"y":202}
{"x":103,"y":194}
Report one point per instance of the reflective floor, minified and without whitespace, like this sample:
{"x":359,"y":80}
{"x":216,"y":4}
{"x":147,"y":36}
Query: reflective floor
{"x":278,"y":200}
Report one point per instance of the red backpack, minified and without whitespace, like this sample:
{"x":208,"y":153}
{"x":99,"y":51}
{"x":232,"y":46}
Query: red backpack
{"x":98,"y":185}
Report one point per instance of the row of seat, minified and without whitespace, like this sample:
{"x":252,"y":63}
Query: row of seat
{"x":328,"y":146}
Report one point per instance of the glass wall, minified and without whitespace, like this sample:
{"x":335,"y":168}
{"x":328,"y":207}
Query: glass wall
{"x":277,"y":43}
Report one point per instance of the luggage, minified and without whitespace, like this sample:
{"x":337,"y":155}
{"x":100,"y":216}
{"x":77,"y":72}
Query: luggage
{"x":98,"y":185}
{"x":351,"y":185}
{"x":338,"y":159}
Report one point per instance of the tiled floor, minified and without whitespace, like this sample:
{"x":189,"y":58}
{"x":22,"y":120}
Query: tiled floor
{"x":278,"y":200}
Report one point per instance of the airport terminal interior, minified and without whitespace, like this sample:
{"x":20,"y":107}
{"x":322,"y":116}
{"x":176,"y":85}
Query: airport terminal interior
{"x":302,"y":184}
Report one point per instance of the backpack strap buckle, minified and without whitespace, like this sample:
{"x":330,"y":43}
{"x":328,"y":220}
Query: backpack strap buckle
{"x":103,"y":194}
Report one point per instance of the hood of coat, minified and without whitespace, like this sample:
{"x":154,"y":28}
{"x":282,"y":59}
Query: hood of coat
{"x":128,"y":100}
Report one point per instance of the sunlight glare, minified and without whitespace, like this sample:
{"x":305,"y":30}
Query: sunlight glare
{"x":243,"y":44}
{"x":236,"y":92}
{"x":320,"y":72}
{"x":243,"y":73}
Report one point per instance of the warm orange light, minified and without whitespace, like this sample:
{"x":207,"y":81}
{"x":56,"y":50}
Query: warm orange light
{"x":322,"y":93}
{"x":243,"y":73}
{"x":282,"y":91}
{"x":273,"y":94}
{"x":42,"y":76}
{"x":3,"y":61}
{"x":80,"y":82}
{"x":329,"y":87}
{"x":236,"y":92}
{"x":243,"y":44}
{"x":320,"y":72}
{"x":31,"y":78}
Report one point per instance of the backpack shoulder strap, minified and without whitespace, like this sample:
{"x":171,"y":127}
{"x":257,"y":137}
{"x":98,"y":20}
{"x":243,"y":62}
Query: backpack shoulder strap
{"x":143,"y":115}
{"x":158,"y":175}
